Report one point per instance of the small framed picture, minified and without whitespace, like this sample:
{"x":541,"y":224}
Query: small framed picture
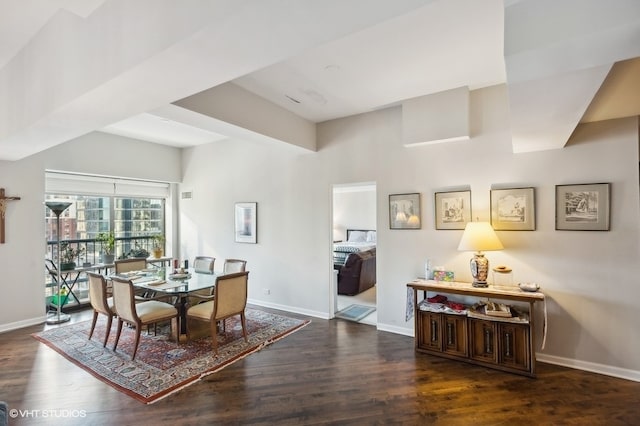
{"x":583,"y":207}
{"x":404,"y":211}
{"x":513,"y":209}
{"x":452,"y":209}
{"x":246,"y":219}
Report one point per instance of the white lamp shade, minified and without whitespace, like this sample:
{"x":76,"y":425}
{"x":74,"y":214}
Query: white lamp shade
{"x":479,"y":236}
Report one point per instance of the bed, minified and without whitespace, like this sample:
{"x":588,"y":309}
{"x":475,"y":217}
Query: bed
{"x":357,"y":240}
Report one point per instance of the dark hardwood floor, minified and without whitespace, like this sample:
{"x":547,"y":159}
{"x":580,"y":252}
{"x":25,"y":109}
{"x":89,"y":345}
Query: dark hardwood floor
{"x":330,"y":372}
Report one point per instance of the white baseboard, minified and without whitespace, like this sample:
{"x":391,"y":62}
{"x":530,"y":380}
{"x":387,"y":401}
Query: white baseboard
{"x":395,"y":329}
{"x":286,"y":308}
{"x":22,"y":324}
{"x":607,"y":370}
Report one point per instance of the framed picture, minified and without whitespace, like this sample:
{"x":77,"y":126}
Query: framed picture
{"x":246,"y":223}
{"x":583,"y":207}
{"x":404,"y":211}
{"x":513,"y":209}
{"x":453,"y":209}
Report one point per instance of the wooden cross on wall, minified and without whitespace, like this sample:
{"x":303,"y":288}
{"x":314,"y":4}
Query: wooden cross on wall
{"x":3,"y":210}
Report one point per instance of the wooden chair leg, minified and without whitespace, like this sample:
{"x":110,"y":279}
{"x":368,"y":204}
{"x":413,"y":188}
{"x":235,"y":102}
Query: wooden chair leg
{"x":115,"y":345}
{"x":177,"y":329}
{"x":135,"y":347}
{"x":106,"y":334}
{"x":214,"y":336}
{"x":244,"y":326}
{"x":93,"y":323}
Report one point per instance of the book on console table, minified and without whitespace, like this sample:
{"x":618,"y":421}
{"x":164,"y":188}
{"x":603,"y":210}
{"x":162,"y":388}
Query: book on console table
{"x":497,"y":310}
{"x":478,"y":311}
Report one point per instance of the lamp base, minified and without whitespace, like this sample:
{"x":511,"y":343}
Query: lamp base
{"x":479,"y":270}
{"x":54,"y":318}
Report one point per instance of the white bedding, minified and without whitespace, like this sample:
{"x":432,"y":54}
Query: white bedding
{"x":352,"y":247}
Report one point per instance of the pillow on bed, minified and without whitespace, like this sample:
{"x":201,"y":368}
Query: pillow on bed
{"x":371,"y":236}
{"x":357,"y":236}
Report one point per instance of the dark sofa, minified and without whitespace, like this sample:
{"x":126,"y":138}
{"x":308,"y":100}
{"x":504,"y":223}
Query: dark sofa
{"x":358,"y":273}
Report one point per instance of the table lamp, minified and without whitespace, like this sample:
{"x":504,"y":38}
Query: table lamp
{"x":479,"y":237}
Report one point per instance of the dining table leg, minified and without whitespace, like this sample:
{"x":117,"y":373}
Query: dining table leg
{"x":182,"y":309}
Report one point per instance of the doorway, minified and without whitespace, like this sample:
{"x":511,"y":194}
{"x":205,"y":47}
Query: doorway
{"x":354,"y":229}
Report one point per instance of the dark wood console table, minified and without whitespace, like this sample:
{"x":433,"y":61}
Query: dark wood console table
{"x":505,"y":344}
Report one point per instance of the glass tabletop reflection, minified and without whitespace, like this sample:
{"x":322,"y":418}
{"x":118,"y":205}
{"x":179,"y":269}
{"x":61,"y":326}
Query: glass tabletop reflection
{"x":166,"y":281}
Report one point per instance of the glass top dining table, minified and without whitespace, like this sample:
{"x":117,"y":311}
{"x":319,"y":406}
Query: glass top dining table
{"x":165,"y":281}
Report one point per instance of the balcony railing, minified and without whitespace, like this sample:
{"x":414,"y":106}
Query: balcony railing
{"x":90,"y":249}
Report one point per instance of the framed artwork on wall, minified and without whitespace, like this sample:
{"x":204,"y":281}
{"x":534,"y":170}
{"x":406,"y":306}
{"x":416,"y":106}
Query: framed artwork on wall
{"x":513,"y":209}
{"x":583,"y":207}
{"x":246,"y":221}
{"x":452,"y":209}
{"x":404,"y":211}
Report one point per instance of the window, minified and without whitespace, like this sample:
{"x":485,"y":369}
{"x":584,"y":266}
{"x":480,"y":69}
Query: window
{"x":134,"y":210}
{"x":133,"y":220}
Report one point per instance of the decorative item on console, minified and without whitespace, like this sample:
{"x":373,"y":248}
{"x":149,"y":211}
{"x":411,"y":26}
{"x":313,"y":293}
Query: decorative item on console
{"x":502,"y":276}
{"x":441,"y":275}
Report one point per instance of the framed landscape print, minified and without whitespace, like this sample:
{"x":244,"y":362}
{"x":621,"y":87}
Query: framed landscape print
{"x":453,"y":209}
{"x":404,"y":211}
{"x":513,"y":209}
{"x":246,"y":221}
{"x":583,"y":207}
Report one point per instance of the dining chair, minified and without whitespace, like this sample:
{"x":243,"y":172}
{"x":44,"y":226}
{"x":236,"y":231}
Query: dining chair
{"x":139,"y":314}
{"x":234,"y":265}
{"x":203,"y":264}
{"x":230,"y":299}
{"x":128,"y":265}
{"x":134,"y":264}
{"x":100,"y":303}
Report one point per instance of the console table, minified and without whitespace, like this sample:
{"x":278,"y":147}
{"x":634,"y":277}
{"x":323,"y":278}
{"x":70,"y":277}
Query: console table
{"x":505,"y":344}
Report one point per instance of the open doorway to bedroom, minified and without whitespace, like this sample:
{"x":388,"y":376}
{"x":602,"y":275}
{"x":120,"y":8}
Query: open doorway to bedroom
{"x":354,"y":251}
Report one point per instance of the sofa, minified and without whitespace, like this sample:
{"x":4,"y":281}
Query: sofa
{"x":358,"y":273}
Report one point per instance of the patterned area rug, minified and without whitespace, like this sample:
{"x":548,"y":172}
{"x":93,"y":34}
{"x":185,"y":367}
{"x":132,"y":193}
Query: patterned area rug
{"x":355,"y":312}
{"x":162,"y":366}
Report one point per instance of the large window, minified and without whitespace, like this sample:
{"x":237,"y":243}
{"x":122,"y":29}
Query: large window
{"x":133,"y":210}
{"x":134,"y":222}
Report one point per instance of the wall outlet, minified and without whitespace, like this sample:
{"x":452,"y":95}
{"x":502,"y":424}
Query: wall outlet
{"x":266,"y":291}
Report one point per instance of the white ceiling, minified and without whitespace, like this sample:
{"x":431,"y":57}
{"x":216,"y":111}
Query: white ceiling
{"x":425,"y":51}
{"x":319,"y":60}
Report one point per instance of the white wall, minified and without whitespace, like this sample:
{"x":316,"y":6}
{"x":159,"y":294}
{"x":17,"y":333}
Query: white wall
{"x":353,"y":208}
{"x":22,"y":300}
{"x":588,"y":277}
